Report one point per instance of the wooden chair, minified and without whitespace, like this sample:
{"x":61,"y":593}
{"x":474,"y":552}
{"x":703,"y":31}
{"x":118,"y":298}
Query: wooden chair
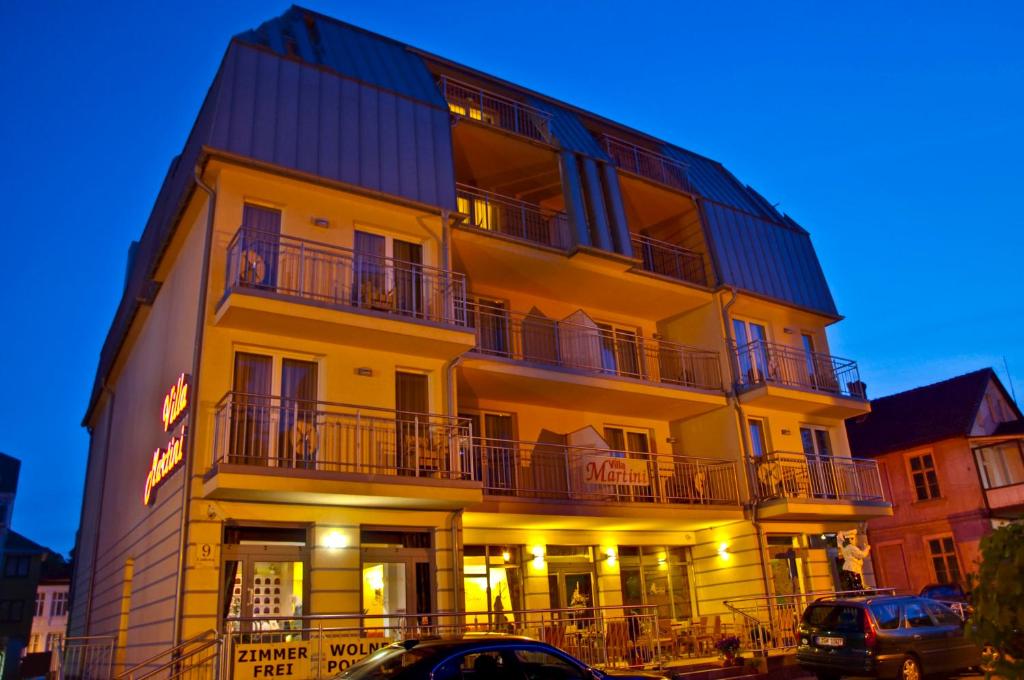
{"x":666,"y":638}
{"x":617,"y":642}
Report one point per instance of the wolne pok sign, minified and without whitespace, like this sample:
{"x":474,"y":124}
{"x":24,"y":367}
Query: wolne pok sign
{"x":166,"y":460}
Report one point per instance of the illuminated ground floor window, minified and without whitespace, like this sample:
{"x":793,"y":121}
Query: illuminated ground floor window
{"x":492,"y":583}
{"x":657,"y":575}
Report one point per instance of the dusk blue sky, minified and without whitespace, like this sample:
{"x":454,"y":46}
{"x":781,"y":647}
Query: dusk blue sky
{"x":891,"y":131}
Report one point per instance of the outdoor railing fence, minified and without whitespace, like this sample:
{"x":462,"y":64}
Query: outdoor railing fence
{"x":807,"y":476}
{"x":594,"y":348}
{"x":332,"y":275}
{"x":668,"y":259}
{"x":198,"y":658}
{"x":760,"y":362}
{"x":514,"y":218}
{"x":540,"y":470}
{"x":469,"y":101}
{"x":274,"y":432}
{"x":600,"y":636}
{"x":765,"y":624}
{"x":648,"y":164}
{"x":86,"y":658}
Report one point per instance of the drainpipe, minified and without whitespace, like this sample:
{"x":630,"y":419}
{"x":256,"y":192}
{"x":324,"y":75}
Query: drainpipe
{"x":193,"y":407}
{"x":99,"y":515}
{"x":744,"y":441}
{"x":456,"y":563}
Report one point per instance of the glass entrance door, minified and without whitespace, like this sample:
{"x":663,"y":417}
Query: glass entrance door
{"x":264,"y":589}
{"x":397,"y":593}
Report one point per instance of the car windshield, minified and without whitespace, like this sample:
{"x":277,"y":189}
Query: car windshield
{"x":943,"y":591}
{"x":386,"y":663}
{"x":834,"y":617}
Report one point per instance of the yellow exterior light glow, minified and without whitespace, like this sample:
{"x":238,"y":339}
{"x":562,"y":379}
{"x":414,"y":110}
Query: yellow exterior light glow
{"x":723,"y":551}
{"x":334,"y":540}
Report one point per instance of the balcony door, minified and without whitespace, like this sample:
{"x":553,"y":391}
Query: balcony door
{"x":633,"y":444}
{"x":620,"y":350}
{"x":751,"y":351}
{"x":397,"y":581}
{"x":494,"y":451}
{"x":274,"y":416}
{"x":818,"y":449}
{"x":387,"y":274}
{"x":261,"y":247}
{"x":490,"y":319}
{"x":421,"y":446}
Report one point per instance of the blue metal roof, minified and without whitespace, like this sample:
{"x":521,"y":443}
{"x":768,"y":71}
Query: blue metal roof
{"x":568,"y":129}
{"x":714,"y":182}
{"x":349,"y":51}
{"x":766,"y":257}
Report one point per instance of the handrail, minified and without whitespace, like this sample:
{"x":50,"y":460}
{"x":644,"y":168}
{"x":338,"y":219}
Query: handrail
{"x":204,"y":636}
{"x":490,"y":108}
{"x":491,"y":212}
{"x":783,"y":474}
{"x":648,"y":164}
{"x":599,"y":348}
{"x":91,"y":656}
{"x":761,"y":362}
{"x":669,"y":259}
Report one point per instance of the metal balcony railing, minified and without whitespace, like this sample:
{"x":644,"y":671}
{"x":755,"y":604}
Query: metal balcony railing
{"x":760,"y":362}
{"x":599,"y":348}
{"x":469,"y":101}
{"x":271,"y":432}
{"x":811,"y":476}
{"x":326,"y":274}
{"x":668,"y":259}
{"x":514,"y":218}
{"x":540,"y":470}
{"x":648,"y":164}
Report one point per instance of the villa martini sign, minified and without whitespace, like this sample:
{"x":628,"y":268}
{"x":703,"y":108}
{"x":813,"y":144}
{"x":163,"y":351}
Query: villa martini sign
{"x":167,"y":460}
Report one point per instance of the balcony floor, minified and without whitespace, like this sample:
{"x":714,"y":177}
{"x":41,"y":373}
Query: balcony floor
{"x":317,"y":487}
{"x":806,"y":402}
{"x":822,"y":509}
{"x":482,"y":376}
{"x":496,"y":512}
{"x":271,"y":313}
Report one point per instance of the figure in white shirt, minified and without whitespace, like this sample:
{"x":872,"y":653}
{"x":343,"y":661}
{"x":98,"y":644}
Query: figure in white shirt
{"x":853,"y":560}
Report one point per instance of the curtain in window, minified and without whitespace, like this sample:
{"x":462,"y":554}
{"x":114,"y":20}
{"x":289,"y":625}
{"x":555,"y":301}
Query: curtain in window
{"x":251,"y":410}
{"x":261,"y":245}
{"x":415,"y":446}
{"x":408,"y":264}
{"x":297,"y":433}
{"x":369,"y":285}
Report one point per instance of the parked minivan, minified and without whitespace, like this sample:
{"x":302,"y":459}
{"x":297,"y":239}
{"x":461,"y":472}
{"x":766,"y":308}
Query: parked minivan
{"x":884,"y":637}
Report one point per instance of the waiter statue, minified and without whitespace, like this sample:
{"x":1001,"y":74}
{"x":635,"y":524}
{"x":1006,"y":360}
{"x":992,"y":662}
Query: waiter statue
{"x":853,"y":560}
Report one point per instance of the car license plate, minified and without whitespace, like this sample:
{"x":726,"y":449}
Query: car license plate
{"x":829,"y":641}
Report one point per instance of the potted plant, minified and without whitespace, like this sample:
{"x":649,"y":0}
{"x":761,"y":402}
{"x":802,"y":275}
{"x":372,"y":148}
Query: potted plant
{"x":727,"y":647}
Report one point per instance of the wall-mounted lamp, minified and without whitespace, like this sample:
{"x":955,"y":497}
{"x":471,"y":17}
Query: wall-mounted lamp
{"x":788,"y":331}
{"x":365,"y":371}
{"x":670,"y":440}
{"x":334,"y":540}
{"x":786,"y":431}
{"x":723,"y":551}
{"x":320,"y":222}
{"x":538,"y":556}
{"x":506,"y":555}
{"x":610,"y":556}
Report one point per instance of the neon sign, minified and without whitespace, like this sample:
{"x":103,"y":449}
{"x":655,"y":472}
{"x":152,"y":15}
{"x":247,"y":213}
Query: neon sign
{"x":166,"y":460}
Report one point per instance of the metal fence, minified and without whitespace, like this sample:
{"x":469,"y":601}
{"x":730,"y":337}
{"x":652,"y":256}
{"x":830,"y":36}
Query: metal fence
{"x":600,"y":636}
{"x":86,"y":658}
{"x":761,"y":362}
{"x":668,"y":259}
{"x":198,"y":658}
{"x":767,"y":624}
{"x":806,"y":476}
{"x":597,"y":348}
{"x":511,"y":217}
{"x":269,"y":431}
{"x":332,"y":275}
{"x":648,"y":164}
{"x":540,"y":470}
{"x":469,"y":101}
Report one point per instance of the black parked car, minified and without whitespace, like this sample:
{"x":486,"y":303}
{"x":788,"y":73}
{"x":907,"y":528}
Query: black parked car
{"x":478,"y":658}
{"x":883,"y":637}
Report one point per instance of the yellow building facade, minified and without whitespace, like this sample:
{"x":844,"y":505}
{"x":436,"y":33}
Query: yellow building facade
{"x":533,"y":377}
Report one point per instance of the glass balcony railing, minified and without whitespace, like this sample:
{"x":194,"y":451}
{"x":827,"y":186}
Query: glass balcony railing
{"x":599,"y":349}
{"x":326,"y":274}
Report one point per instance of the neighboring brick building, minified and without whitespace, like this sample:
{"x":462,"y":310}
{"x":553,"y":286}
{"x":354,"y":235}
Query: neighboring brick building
{"x":952,"y":458}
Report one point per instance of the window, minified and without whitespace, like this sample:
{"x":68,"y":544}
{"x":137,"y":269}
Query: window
{"x":492,"y":586}
{"x":1000,"y":465}
{"x":751,"y":350}
{"x":495,"y":453}
{"x":635,"y":444}
{"x":887,"y":614}
{"x":942,"y":614}
{"x":490,"y":320}
{"x":59,"y":604}
{"x":53,"y":641}
{"x":923,"y":476}
{"x":815,"y":441}
{"x":540,"y":663}
{"x":388,"y":274}
{"x":916,"y":616}
{"x":657,"y":575}
{"x":620,"y":350}
{"x":758,"y":442}
{"x":17,"y":566}
{"x":40,"y":603}
{"x":943,"y":554}
{"x":11,"y":611}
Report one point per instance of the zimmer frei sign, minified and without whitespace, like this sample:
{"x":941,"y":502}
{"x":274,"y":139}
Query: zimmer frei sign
{"x":300,"y":659}
{"x":166,"y":460}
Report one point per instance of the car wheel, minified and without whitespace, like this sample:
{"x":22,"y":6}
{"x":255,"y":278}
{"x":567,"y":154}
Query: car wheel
{"x":910,"y":669}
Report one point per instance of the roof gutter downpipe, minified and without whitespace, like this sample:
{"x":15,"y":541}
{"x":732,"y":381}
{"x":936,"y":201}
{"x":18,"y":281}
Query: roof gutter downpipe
{"x":741,"y":420}
{"x":194,"y":405}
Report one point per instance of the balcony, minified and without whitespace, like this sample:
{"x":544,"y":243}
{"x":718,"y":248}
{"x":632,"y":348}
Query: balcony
{"x":474,"y":103}
{"x":668,"y":259}
{"x":1006,"y":501}
{"x":345,"y":296}
{"x":273,"y":449}
{"x":511,"y":218}
{"x":592,"y":366}
{"x":803,"y":486}
{"x":789,"y":378}
{"x":647,"y":164}
{"x":535,"y":477}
